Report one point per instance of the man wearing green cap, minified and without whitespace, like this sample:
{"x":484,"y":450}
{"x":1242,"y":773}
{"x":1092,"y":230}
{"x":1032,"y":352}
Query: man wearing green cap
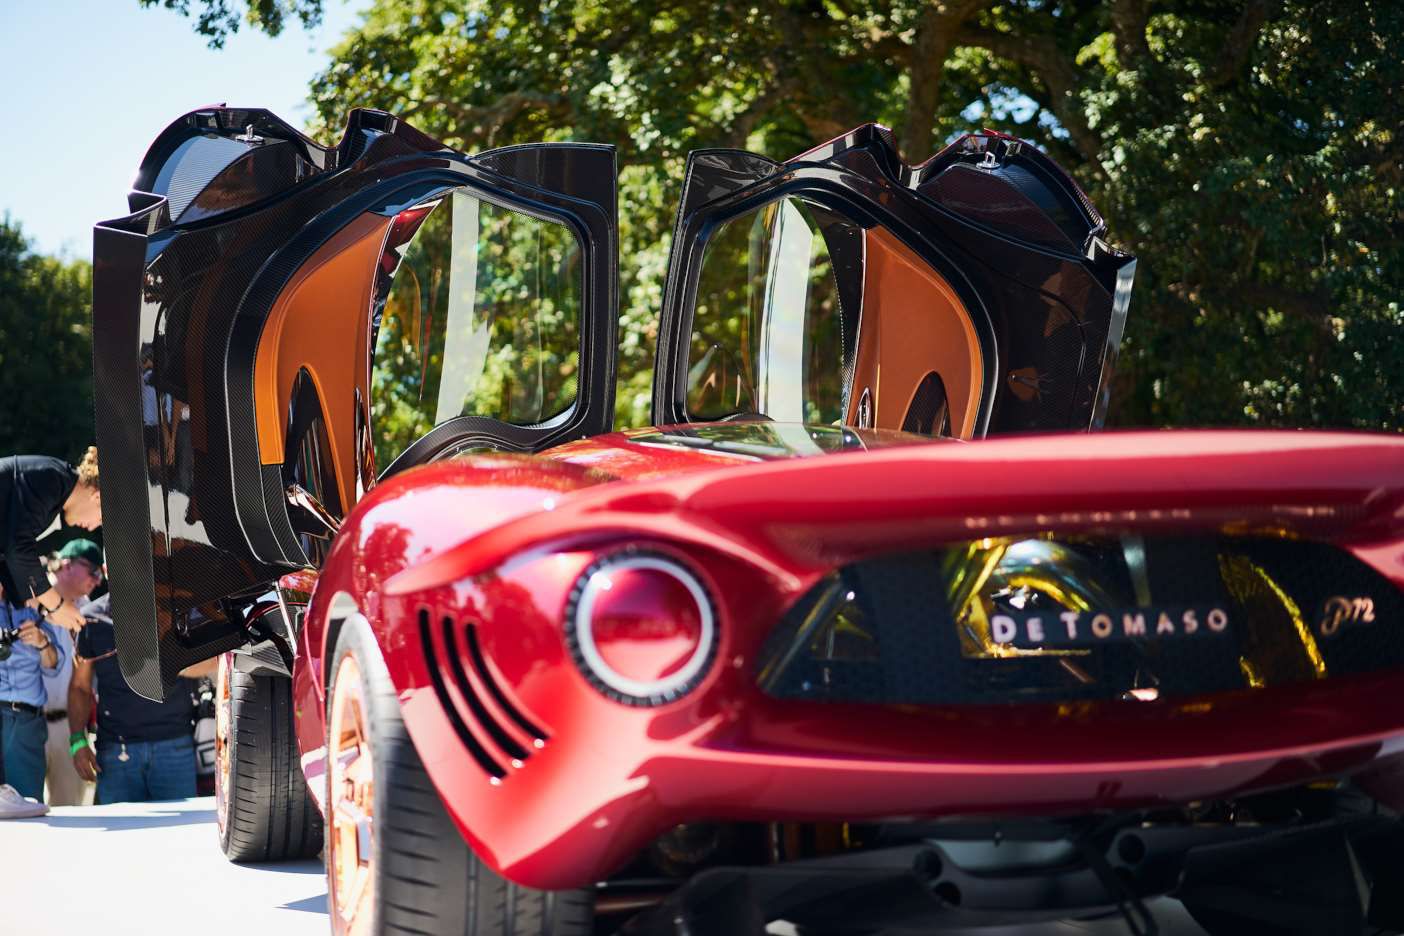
{"x":76,"y":571}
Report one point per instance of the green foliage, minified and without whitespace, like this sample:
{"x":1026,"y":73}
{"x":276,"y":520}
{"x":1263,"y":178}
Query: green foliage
{"x":217,"y":20}
{"x":45,"y":351}
{"x":1269,"y":210}
{"x":1248,"y":151}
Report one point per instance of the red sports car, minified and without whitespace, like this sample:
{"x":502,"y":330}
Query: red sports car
{"x":818,"y":650}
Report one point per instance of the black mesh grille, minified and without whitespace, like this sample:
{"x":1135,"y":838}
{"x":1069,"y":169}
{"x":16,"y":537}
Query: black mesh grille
{"x":884,"y":631}
{"x":1044,"y":369}
{"x":927,"y":413}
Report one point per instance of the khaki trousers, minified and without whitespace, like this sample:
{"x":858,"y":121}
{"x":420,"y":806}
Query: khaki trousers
{"x":63,"y":786}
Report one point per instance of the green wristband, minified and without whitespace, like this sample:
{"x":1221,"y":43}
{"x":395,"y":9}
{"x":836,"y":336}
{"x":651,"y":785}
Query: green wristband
{"x":77,"y":744}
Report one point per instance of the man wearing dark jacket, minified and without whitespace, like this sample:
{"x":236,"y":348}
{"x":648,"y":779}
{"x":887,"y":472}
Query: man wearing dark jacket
{"x":37,"y":494}
{"x":145,"y":750}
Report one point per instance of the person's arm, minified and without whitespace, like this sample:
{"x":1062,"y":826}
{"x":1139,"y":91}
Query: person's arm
{"x":80,"y":707}
{"x":57,"y":609}
{"x":26,"y":571}
{"x":40,"y":486}
{"x":168,"y":433}
{"x":59,"y":645}
{"x":80,"y":695}
{"x":42,"y":638}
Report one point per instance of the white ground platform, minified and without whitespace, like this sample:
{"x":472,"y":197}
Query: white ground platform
{"x":155,"y":869}
{"x":147,"y":868}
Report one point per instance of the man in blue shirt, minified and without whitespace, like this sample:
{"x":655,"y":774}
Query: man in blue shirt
{"x":34,"y":652}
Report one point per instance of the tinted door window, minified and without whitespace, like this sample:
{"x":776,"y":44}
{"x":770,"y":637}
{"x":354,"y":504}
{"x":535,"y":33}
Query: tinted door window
{"x":803,"y":315}
{"x":769,"y":326}
{"x":482,"y":318}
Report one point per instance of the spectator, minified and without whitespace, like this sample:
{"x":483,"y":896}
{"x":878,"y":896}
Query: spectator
{"x":145,"y":750}
{"x":36,"y":494}
{"x":35,"y":651}
{"x":77,"y":573}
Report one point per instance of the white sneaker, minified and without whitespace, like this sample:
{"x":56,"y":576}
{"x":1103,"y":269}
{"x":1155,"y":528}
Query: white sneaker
{"x":14,"y":806}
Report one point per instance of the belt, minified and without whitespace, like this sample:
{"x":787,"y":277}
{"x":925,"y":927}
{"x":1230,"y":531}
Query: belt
{"x":7,"y":706}
{"x":60,"y":715}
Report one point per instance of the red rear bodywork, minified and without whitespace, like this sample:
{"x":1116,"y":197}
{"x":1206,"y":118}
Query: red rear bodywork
{"x":497,"y":542}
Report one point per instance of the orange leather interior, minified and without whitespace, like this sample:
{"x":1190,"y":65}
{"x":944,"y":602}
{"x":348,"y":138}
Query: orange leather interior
{"x":321,"y":322}
{"x":912,"y":323}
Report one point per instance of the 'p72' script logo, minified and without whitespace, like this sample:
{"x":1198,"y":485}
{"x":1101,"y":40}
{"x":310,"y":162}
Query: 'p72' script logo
{"x":1342,"y":611}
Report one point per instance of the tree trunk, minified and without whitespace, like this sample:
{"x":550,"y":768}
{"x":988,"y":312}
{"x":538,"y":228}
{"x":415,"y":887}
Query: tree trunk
{"x":935,"y":36}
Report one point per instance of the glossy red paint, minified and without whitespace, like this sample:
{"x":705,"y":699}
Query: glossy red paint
{"x":809,"y":512}
{"x":646,"y":626}
{"x":620,"y":456}
{"x":498,"y":542}
{"x":295,"y":590}
{"x":434,"y":512}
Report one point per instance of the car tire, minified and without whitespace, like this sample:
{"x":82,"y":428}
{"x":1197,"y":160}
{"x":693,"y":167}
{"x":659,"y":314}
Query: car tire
{"x":263,"y":808}
{"x":401,"y":866}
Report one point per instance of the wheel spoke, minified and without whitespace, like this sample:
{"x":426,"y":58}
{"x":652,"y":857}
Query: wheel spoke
{"x":222,"y":741}
{"x":351,"y":805}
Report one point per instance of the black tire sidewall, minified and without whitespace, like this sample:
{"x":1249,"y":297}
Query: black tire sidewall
{"x":269,"y":814}
{"x":427,"y":878}
{"x":402,"y":880}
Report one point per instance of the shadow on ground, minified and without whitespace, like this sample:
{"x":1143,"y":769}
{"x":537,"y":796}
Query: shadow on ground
{"x":115,"y":822}
{"x":317,"y":904}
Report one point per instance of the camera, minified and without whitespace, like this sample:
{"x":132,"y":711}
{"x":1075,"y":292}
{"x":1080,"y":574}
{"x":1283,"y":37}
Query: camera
{"x":8,"y":636}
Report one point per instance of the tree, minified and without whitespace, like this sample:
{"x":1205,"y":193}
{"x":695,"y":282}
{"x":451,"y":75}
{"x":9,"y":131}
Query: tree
{"x":218,"y":19}
{"x":1247,"y":150}
{"x":46,"y":333}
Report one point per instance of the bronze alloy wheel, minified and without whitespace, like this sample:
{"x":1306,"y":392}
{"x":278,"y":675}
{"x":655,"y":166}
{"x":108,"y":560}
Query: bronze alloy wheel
{"x":222,"y":788}
{"x":351,"y":805}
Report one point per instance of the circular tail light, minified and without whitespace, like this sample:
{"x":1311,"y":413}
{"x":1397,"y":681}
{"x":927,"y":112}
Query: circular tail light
{"x":641,"y":628}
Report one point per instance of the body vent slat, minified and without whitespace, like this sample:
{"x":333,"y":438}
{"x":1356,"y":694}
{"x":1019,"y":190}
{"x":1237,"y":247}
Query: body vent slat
{"x":493,"y":769}
{"x":484,"y":718}
{"x":475,"y":652}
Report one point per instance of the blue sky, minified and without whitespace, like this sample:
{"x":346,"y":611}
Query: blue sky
{"x":88,"y":84}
